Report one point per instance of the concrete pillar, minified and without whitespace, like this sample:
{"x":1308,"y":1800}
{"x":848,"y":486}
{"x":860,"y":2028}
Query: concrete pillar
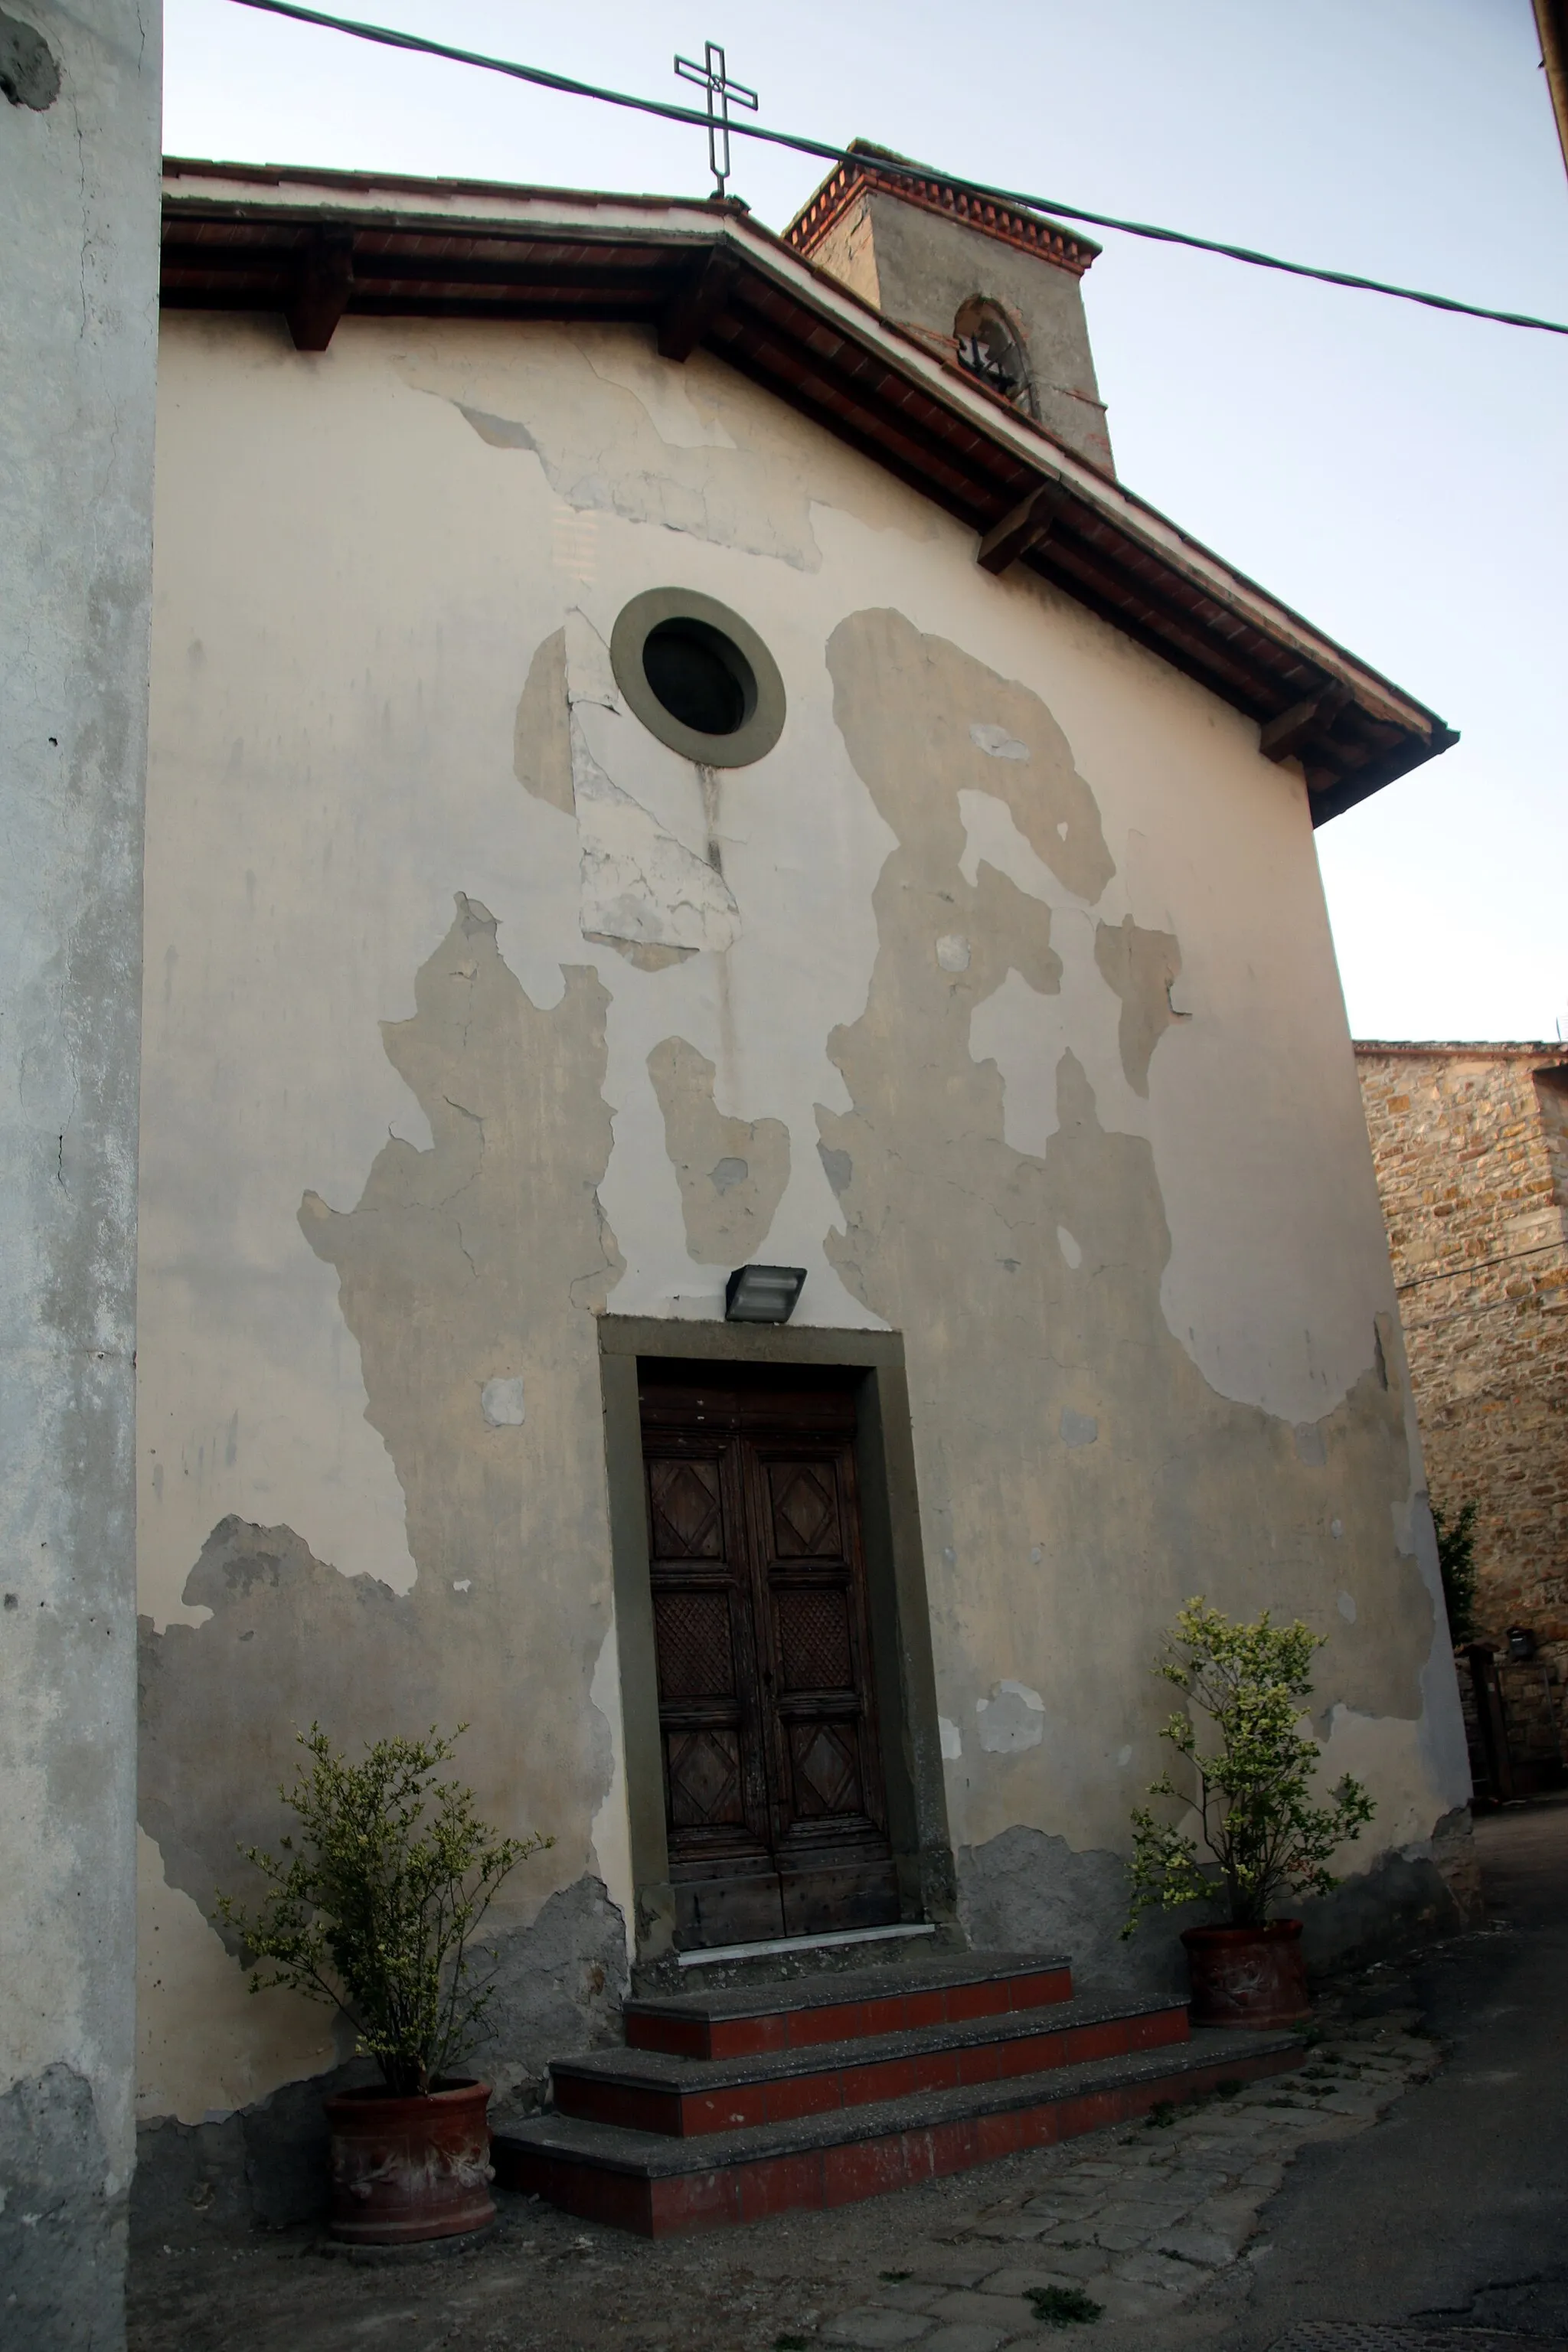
{"x":79,"y":195}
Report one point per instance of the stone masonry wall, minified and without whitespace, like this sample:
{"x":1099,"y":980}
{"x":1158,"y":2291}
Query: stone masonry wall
{"x":1470,"y":1145}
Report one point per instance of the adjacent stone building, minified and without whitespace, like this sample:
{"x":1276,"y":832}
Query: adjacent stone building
{"x":1471,"y":1144}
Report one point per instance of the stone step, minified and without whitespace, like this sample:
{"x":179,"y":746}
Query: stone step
{"x":658,"y":2185}
{"x":649,"y":2090}
{"x":850,"y":2005}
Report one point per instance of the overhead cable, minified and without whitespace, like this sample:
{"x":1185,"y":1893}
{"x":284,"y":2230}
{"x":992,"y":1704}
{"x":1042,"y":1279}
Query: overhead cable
{"x":386,"y":37}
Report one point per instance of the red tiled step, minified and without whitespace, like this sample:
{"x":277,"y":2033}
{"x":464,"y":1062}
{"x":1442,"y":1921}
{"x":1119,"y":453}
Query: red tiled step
{"x":850,"y":2007}
{"x":635,"y":2180}
{"x":649,"y":2091}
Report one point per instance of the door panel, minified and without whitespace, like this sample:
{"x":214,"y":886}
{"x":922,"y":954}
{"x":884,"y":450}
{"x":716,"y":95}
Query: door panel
{"x":772,"y":1773}
{"x":717,"y":1811}
{"x":804,"y":1510}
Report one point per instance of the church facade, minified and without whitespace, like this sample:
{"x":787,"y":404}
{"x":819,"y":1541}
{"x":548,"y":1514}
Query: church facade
{"x":684,"y":791}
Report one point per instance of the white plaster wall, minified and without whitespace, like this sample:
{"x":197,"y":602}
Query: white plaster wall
{"x":78,"y":191}
{"x":359,"y":554}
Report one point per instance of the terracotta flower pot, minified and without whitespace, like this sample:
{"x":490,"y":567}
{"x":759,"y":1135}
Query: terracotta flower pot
{"x":408,"y":2169}
{"x":1247,"y":1975}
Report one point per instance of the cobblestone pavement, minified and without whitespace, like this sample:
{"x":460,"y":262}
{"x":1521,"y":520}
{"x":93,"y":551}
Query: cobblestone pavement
{"x":1126,"y":2226}
{"x":1134,"y":2222}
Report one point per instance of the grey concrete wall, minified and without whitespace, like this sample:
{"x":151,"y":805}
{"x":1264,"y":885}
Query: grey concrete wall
{"x":79,"y":193}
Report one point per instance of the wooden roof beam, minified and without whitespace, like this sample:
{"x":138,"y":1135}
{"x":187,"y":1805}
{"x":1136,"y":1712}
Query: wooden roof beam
{"x":323,"y":277}
{"x":1283,"y":738}
{"x":1029,"y":522}
{"x":697,"y":305}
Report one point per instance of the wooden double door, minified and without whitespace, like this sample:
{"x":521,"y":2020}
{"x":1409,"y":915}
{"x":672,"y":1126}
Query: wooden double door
{"x":774,"y":1795}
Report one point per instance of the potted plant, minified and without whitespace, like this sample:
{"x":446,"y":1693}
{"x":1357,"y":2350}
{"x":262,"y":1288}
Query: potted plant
{"x":1249,"y":1784}
{"x":373,"y":1907}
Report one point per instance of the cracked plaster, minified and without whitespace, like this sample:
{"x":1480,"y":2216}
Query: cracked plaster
{"x":731,"y":1171}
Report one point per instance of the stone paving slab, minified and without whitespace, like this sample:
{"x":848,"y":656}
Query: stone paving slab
{"x":875,"y":2326}
{"x":908,"y":2294}
{"x":948,"y":2267}
{"x":1053,"y":2274}
{"x":1007,"y":2311}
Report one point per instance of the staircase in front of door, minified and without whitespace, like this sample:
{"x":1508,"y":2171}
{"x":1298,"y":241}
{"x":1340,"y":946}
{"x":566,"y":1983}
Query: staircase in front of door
{"x":729,"y":2105}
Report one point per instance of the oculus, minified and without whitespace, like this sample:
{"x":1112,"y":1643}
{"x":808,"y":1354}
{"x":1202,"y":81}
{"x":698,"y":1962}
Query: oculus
{"x":697,"y":676}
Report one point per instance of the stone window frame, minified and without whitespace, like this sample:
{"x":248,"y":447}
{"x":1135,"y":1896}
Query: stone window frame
{"x":903,"y":1664}
{"x":763,"y":724}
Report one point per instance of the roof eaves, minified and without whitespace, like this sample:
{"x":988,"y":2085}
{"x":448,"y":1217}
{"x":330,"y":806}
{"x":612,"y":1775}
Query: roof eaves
{"x":1169,"y":591}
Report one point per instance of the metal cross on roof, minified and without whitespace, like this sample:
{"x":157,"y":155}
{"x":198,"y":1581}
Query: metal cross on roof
{"x":713,"y":77}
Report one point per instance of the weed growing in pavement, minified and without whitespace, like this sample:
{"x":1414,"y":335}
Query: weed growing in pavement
{"x":1064,"y":2306}
{"x":1228,"y":2089}
{"x":1161,"y":2116}
{"x":894,"y":2278}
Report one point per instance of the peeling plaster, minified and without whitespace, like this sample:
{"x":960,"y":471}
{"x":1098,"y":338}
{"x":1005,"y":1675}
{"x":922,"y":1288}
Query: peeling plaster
{"x":731,"y":1171}
{"x":642,"y":889}
{"x":950,"y":1231}
{"x":589,"y":674}
{"x":1140,"y":966}
{"x":207,"y":2044}
{"x":541,"y":740}
{"x":501,"y":1402}
{"x":617,"y":431}
{"x":610,"y":1836}
{"x":1011,"y":1719}
{"x":458,"y":1264}
{"x":638,"y":883}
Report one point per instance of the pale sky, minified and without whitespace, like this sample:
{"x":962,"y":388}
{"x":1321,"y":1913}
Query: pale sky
{"x":1398,"y":475}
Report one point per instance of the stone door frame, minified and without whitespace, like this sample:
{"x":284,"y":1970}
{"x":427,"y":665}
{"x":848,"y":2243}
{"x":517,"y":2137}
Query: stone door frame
{"x":905,"y":1676}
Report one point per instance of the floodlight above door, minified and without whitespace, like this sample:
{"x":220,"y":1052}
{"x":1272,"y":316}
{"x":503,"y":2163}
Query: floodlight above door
{"x":762,"y":1294}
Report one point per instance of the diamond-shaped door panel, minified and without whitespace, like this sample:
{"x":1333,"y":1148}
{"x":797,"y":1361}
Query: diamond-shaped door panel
{"x":694,"y":1645}
{"x":815,"y":1654}
{"x":827,"y":1761}
{"x":806,"y":1511}
{"x":704,"y":1769}
{"x":684,"y":1503}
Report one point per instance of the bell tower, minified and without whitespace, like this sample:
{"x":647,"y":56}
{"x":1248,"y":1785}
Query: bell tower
{"x":997,"y":291}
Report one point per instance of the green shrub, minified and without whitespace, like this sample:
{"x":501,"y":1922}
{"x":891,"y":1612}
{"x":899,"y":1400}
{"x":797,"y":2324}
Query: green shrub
{"x":374,"y":1907}
{"x":1456,"y":1532}
{"x":1251,"y":1786}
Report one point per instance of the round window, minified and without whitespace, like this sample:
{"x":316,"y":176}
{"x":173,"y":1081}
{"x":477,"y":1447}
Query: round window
{"x":697,"y":676}
{"x":700,"y":676}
